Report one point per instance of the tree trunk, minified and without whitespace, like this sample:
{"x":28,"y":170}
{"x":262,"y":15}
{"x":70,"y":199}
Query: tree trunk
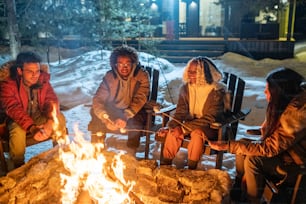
{"x":13,"y":28}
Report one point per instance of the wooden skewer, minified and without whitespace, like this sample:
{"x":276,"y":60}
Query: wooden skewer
{"x":176,"y":120}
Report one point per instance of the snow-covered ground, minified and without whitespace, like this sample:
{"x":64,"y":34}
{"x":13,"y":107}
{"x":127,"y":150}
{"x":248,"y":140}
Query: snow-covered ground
{"x":76,"y":79}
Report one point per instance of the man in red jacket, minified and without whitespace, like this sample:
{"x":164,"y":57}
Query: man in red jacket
{"x":28,"y":100}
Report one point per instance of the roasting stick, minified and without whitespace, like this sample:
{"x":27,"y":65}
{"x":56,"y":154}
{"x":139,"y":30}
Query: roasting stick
{"x":156,"y":110}
{"x":124,"y":130}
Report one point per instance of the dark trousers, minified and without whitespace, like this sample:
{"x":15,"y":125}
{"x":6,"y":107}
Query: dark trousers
{"x":134,"y":126}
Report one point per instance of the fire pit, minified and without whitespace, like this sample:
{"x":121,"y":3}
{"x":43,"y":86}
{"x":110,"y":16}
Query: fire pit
{"x":79,"y":171}
{"x":82,"y":172}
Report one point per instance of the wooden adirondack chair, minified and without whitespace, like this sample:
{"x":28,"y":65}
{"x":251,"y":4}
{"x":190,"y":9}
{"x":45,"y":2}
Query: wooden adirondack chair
{"x":228,"y":129}
{"x":286,"y":189}
{"x":151,"y":126}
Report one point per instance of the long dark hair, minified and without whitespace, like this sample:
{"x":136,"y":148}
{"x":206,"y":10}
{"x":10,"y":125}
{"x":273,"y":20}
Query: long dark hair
{"x":283,"y":84}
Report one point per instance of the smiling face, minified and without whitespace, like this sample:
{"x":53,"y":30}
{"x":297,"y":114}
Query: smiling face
{"x":124,"y":66}
{"x":30,"y":73}
{"x":192,"y":72}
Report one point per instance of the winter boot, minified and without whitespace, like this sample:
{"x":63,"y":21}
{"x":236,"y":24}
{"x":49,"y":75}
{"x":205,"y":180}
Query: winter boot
{"x":192,"y":164}
{"x":166,"y":161}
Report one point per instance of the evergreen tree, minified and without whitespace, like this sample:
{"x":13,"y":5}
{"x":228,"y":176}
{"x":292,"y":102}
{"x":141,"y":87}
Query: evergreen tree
{"x":125,"y":19}
{"x":93,"y":20}
{"x":56,"y":18}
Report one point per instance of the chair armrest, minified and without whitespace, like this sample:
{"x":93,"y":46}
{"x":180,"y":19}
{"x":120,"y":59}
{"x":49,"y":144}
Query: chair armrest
{"x":253,"y":132}
{"x":235,"y":117}
{"x":232,"y":118}
{"x":167,"y":110}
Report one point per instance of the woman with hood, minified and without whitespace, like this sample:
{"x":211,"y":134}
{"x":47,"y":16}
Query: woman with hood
{"x":200,"y":103}
{"x":121,"y":96}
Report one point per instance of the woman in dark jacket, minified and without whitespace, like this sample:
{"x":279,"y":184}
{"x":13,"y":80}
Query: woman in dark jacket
{"x":283,"y":133}
{"x":200,"y":103}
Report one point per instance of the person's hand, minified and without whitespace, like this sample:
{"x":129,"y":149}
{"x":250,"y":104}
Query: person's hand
{"x":110,"y":125}
{"x":48,"y":127}
{"x":40,"y":133}
{"x":121,"y":124}
{"x":218,"y":145}
{"x":162,"y":132}
{"x":177,"y":132}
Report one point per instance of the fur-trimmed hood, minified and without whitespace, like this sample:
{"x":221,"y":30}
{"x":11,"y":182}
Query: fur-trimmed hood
{"x":207,"y":71}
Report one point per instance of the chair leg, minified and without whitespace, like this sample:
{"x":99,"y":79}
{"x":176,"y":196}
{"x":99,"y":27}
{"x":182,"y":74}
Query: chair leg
{"x":161,"y":158}
{"x":296,"y":188}
{"x":219,"y":157}
{"x":219,"y":160}
{"x":2,"y":159}
{"x":267,"y":195}
{"x":148,"y":127}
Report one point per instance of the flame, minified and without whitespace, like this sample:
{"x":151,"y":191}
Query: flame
{"x":89,"y":171}
{"x":58,"y":137}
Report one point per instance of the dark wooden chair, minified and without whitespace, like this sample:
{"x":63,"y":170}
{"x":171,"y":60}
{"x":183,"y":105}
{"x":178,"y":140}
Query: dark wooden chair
{"x":150,"y":124}
{"x":227,"y":129}
{"x":4,"y":146}
{"x":286,"y":188}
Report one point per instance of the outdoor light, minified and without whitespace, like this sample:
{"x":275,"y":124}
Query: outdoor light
{"x":193,"y":4}
{"x":154,"y":7}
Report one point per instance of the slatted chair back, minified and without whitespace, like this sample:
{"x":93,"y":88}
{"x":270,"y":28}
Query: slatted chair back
{"x":154,"y":80}
{"x":235,"y":86}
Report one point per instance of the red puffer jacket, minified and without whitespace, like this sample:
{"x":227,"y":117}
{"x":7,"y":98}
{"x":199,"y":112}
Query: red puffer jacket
{"x":14,"y":99}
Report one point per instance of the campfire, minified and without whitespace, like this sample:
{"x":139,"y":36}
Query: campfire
{"x":78,"y":171}
{"x":90,"y":176}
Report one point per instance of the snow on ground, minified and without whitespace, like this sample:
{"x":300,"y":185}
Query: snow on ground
{"x":76,"y":79}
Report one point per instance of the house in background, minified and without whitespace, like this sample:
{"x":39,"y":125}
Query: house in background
{"x":225,"y":18}
{"x":257,"y":30}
